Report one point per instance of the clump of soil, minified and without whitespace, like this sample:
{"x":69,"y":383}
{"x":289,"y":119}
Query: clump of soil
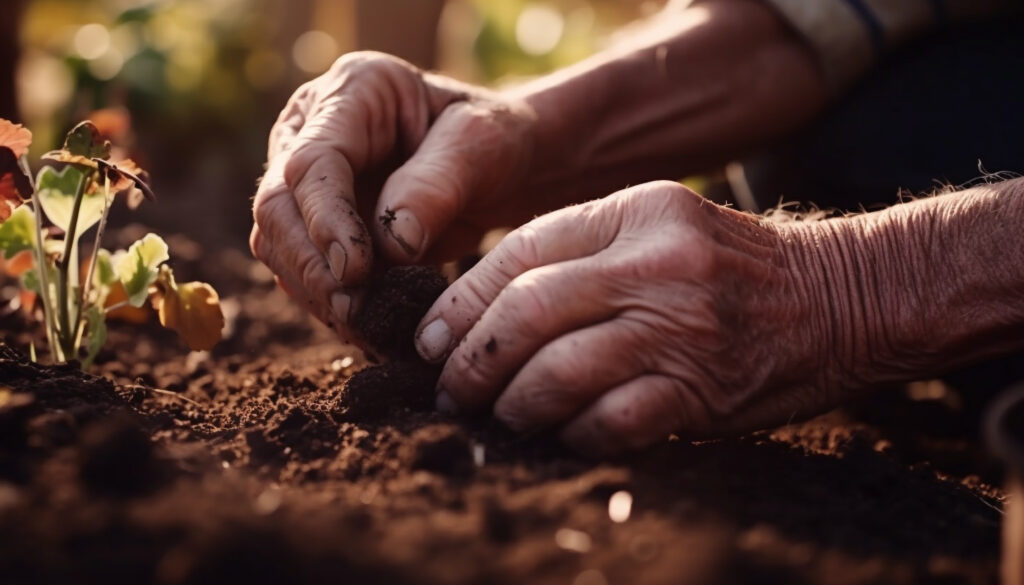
{"x":395,"y":303}
{"x":396,"y":300}
{"x":378,"y":391}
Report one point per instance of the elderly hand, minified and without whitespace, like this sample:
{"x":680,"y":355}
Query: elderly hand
{"x":378,"y":151}
{"x":649,"y":312}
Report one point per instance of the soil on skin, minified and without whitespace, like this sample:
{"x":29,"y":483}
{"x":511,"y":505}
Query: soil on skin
{"x":270,"y":460}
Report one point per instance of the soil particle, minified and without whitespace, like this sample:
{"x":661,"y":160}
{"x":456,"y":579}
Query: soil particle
{"x":395,"y":302}
{"x":492,"y":345}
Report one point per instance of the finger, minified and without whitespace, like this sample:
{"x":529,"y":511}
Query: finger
{"x":572,"y":371}
{"x":281,"y":242}
{"x":535,"y":308}
{"x":470,"y":149}
{"x":353,"y":125}
{"x":631,"y":416}
{"x":321,"y":181}
{"x":567,"y":234}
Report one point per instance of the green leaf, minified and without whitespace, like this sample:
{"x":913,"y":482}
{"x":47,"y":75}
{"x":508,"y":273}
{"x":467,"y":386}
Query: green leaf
{"x":96,"y":333}
{"x":30,"y":280}
{"x":56,"y":191}
{"x":18,"y":233}
{"x":85,"y":140}
{"x":140,"y":266}
{"x":104,"y":275}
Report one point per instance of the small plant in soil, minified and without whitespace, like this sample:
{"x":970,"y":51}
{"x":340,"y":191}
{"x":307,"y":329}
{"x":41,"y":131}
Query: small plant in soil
{"x":42,"y":225}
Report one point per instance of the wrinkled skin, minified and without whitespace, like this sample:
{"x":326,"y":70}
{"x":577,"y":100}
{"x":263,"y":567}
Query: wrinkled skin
{"x":320,"y":205}
{"x":649,"y":312}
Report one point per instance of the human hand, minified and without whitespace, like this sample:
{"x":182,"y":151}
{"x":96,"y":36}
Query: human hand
{"x":376,"y":151}
{"x":649,"y":312}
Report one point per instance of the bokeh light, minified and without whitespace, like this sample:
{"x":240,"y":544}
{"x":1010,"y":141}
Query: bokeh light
{"x":539,"y":28}
{"x":314,"y":51}
{"x":92,"y":41}
{"x":204,"y":80}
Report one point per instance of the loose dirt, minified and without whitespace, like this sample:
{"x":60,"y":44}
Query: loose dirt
{"x":278,"y":458}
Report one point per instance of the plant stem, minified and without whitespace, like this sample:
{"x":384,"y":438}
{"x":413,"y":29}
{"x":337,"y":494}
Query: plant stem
{"x":44,"y":284}
{"x":87,"y":287}
{"x":116,"y":306}
{"x":67,"y":334}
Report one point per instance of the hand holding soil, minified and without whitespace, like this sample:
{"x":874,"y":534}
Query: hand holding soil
{"x":376,"y":155}
{"x":650,"y":312}
{"x":654,"y":311}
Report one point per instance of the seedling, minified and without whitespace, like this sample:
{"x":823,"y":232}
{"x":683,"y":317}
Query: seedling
{"x":42,"y":223}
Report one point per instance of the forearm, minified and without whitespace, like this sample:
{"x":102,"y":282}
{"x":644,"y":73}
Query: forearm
{"x":692,"y":89}
{"x":919,"y":288}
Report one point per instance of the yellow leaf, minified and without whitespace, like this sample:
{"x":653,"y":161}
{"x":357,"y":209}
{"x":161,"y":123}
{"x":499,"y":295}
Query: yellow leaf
{"x":193,"y":310}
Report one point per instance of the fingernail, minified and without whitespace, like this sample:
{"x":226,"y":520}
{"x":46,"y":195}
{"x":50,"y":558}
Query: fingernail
{"x":337,"y":259}
{"x":445,"y":403}
{"x":407,"y":231}
{"x":434,"y":340}
{"x":340,"y":305}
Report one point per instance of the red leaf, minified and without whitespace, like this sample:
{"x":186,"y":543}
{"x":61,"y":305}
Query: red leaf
{"x":15,"y":137}
{"x":15,"y":187}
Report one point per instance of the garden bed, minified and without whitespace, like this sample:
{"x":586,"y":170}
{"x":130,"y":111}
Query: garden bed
{"x":252,"y":464}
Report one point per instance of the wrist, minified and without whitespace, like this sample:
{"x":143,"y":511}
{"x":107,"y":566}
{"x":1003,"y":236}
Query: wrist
{"x":917,"y":289}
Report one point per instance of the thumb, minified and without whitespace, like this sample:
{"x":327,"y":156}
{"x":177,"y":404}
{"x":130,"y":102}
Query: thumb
{"x":471,"y":150}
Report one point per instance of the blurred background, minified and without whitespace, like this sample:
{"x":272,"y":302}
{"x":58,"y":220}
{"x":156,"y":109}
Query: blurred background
{"x":192,"y":87}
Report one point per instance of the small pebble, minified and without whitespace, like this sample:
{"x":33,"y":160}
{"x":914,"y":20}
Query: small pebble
{"x":479,"y":452}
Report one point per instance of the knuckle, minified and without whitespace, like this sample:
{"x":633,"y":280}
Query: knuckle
{"x":472,"y":371}
{"x":564,"y":371}
{"x":662,"y":408}
{"x":359,"y":63}
{"x":310,"y":268}
{"x":266,"y":208}
{"x":622,"y":422}
{"x":521,"y":247}
{"x":531,"y":305}
{"x":324,"y":216}
{"x":660,"y":200}
{"x":299,"y":162}
{"x":551,"y":398}
{"x":299,"y":100}
{"x":668,"y":190}
{"x":514,"y":411}
{"x":441,"y":184}
{"x":256,"y":244}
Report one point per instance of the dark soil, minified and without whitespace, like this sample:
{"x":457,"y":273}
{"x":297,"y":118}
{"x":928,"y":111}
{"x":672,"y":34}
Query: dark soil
{"x":270,"y":460}
{"x":396,"y":301}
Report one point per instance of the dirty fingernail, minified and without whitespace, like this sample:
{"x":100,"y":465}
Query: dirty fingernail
{"x":434,"y":340}
{"x":445,"y":403}
{"x":407,"y":231}
{"x":337,"y":259}
{"x":340,"y":305}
